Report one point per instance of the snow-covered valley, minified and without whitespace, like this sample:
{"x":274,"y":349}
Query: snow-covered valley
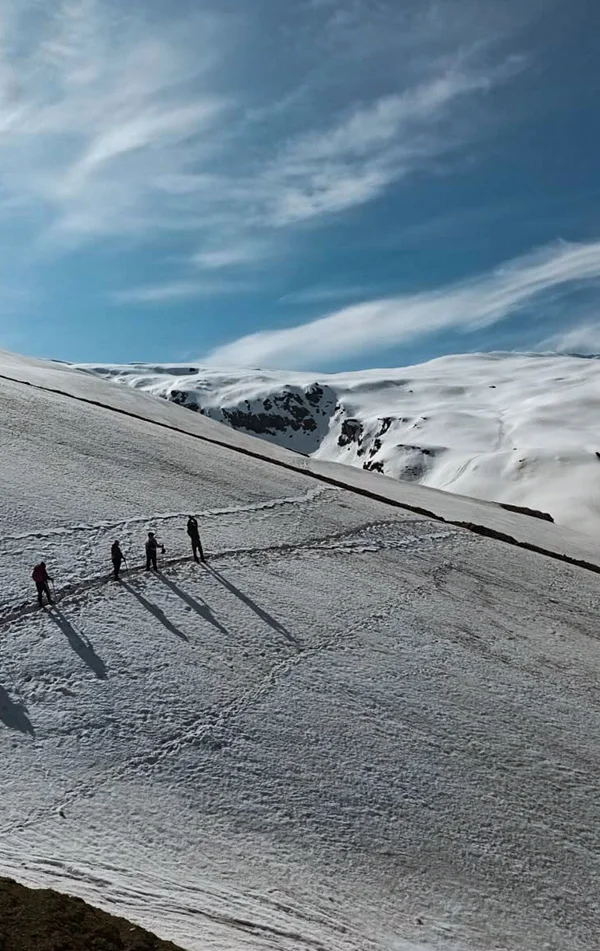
{"x":357,"y":729}
{"x":515,"y":428}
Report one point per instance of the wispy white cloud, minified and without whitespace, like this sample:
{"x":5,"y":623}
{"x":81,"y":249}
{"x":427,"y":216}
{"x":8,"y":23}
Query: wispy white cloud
{"x":232,"y":254}
{"x":372,"y":326}
{"x":356,"y":158}
{"x":172,"y":291}
{"x":583,"y":338}
{"x":325,"y":293}
{"x":116,"y":123}
{"x":95,"y":109}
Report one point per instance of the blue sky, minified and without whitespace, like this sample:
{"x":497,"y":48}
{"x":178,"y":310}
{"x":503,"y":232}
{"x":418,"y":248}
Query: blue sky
{"x":320,"y":184}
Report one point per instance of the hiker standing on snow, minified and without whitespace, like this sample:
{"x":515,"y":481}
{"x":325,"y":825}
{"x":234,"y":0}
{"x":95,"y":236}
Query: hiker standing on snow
{"x":194,"y":533}
{"x":152,"y":547}
{"x":41,"y":579}
{"x":116,"y":557}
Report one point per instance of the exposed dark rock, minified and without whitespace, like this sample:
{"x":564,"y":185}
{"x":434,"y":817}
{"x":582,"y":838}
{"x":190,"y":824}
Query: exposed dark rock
{"x":270,"y":423}
{"x":283,"y":411}
{"x":424,"y":451}
{"x":523,"y":510}
{"x":376,"y":466}
{"x":375,"y":447}
{"x":386,"y":422}
{"x":34,"y":919}
{"x":291,"y":412}
{"x":352,"y":430}
{"x":183,"y":398}
{"x":315,"y":394}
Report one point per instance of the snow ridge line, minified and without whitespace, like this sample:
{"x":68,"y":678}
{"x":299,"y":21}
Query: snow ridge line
{"x":308,"y":497}
{"x":329,"y":480}
{"x":323,"y":543}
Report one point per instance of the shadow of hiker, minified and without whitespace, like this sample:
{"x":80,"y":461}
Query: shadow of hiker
{"x":14,"y":715}
{"x":202,"y":609}
{"x":81,"y":645}
{"x":260,"y":612}
{"x":155,"y":611}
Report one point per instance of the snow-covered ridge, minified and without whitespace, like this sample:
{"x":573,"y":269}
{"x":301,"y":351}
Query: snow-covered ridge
{"x":520,"y":429}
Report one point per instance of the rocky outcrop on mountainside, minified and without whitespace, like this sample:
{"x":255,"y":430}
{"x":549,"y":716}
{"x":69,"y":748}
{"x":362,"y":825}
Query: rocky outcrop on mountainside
{"x":294,"y":417}
{"x":374,"y":445}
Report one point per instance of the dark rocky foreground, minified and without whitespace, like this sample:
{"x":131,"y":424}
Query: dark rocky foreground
{"x":34,"y":919}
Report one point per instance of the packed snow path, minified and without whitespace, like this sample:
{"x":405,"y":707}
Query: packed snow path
{"x":356,"y":728}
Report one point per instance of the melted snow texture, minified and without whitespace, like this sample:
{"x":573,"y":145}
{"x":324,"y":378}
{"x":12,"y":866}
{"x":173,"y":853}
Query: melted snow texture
{"x":519,"y":429}
{"x":356,"y":730}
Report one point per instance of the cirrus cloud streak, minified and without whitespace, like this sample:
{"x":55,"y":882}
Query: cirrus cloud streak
{"x":371,"y":326}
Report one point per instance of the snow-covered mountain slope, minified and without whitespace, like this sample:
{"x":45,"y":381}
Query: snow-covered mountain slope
{"x":521,"y":429}
{"x":357,"y":728}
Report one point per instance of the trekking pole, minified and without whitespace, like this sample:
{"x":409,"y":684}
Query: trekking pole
{"x":53,"y":590}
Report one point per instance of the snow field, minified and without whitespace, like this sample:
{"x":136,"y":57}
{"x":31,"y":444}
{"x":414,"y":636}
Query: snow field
{"x":354,"y":719}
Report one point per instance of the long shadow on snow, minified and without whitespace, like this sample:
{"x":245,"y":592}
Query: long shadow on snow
{"x":203,"y":610}
{"x":81,"y":645}
{"x":155,"y":611}
{"x":260,"y":612}
{"x":14,"y":715}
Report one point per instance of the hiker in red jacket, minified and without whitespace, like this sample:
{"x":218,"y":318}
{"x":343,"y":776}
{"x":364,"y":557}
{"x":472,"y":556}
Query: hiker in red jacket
{"x":41,"y":579}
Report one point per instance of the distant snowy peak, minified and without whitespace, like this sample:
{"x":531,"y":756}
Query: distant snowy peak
{"x":521,"y":429}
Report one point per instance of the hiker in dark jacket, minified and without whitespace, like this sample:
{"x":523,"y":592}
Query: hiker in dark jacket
{"x":116,"y":557}
{"x":194,"y":533}
{"x":41,"y":579}
{"x":152,"y":547}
